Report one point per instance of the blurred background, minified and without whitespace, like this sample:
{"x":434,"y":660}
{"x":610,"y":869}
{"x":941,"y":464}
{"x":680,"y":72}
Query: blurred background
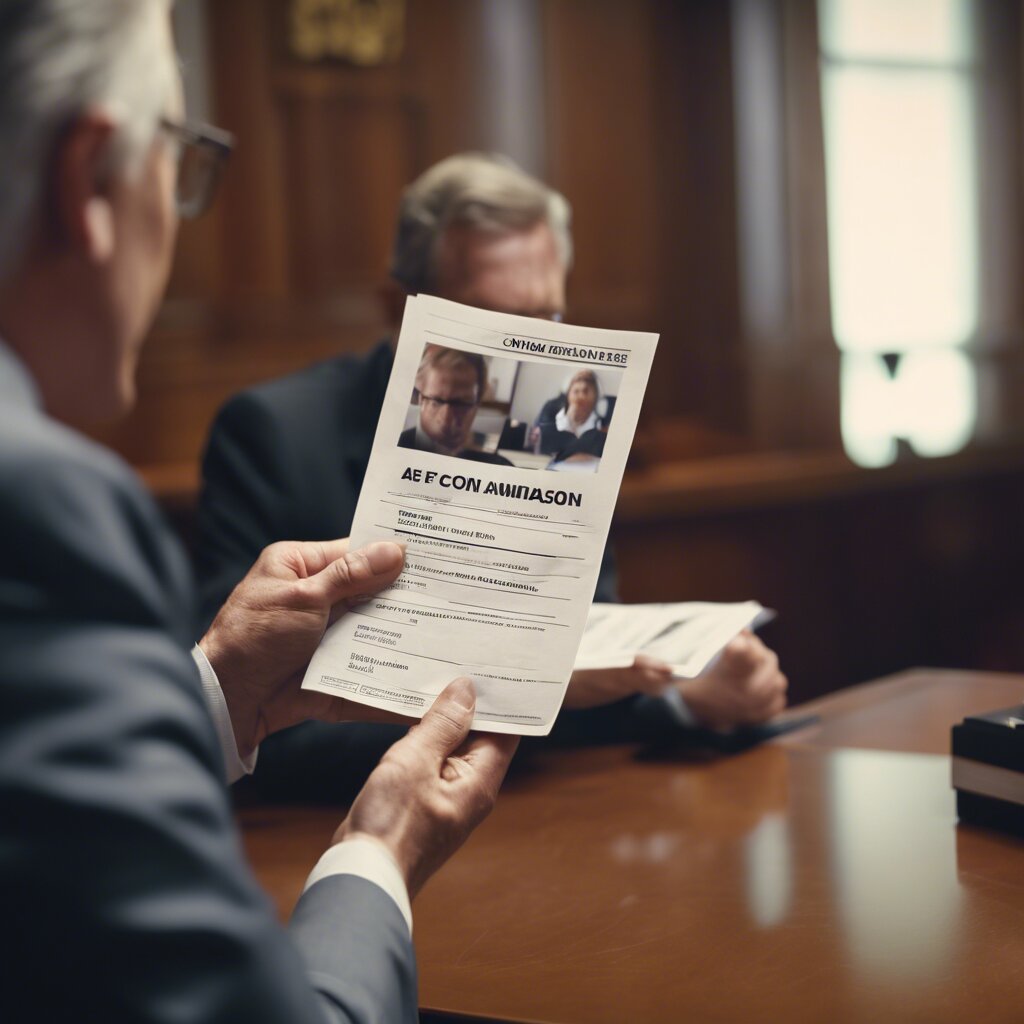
{"x":816,"y":205}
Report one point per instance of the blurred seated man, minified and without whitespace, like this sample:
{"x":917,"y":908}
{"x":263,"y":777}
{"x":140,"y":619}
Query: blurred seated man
{"x":124,"y":890}
{"x":287,"y":458}
{"x":450,"y":385}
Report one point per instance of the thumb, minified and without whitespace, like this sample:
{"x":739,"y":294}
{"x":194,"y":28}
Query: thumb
{"x":357,"y":573}
{"x":656,"y":674}
{"x":446,"y":725}
{"x":738,"y":651}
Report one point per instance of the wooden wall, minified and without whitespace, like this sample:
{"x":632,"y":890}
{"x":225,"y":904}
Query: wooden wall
{"x":870,"y":573}
{"x":628,"y":107}
{"x":628,"y":111}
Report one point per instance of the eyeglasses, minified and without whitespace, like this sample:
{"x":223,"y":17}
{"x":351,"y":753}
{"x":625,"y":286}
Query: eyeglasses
{"x":457,"y":405}
{"x":202,"y":151}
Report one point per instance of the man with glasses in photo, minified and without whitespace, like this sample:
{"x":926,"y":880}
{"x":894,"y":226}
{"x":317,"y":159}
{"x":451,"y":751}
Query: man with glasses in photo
{"x":124,"y":892}
{"x":450,"y":385}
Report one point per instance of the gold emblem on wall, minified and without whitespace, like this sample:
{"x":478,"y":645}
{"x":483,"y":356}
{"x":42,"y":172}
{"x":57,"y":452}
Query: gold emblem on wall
{"x":365,"y":32}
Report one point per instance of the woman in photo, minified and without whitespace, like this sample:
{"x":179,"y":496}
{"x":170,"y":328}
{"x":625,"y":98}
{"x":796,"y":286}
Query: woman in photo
{"x":571,"y":423}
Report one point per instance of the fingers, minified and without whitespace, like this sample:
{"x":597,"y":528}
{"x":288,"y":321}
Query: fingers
{"x":354,"y":574}
{"x":474,"y":776}
{"x":764,"y":706}
{"x":484,"y":760}
{"x":743,"y":687}
{"x":433,"y":787}
{"x":746,"y":659}
{"x":590,"y":687}
{"x":445,"y":726}
{"x":320,"y":554}
{"x":767,"y":679}
{"x":742,"y":653}
{"x":766,"y":689}
{"x":650,"y":675}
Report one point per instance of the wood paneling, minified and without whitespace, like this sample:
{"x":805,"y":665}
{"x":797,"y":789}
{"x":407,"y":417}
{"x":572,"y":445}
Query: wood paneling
{"x":637,"y":127}
{"x":343,"y":197}
{"x":871,"y":572}
{"x":601,"y":125}
{"x":634,"y":125}
{"x":633,"y":108}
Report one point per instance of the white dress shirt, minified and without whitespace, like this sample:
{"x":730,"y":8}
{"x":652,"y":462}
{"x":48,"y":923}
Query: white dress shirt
{"x":564,"y":422}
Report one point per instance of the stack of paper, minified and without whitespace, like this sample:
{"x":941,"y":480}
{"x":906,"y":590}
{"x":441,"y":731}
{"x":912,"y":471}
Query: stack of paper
{"x":685,"y":635}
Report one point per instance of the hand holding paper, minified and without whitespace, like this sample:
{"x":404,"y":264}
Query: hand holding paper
{"x":432,"y":788}
{"x":261,"y":641}
{"x":502,"y":553}
{"x":725,"y":674}
{"x":743,"y":687}
{"x":592,"y":687}
{"x":684,"y":635}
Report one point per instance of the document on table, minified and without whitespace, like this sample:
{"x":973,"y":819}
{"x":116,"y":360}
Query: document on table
{"x":504,"y":542}
{"x":688,"y":635}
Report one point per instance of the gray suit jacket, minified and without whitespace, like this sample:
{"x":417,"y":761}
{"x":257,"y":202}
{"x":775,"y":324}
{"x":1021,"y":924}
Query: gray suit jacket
{"x":124,"y":893}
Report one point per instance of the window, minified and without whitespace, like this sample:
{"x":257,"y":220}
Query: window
{"x":898,"y":81}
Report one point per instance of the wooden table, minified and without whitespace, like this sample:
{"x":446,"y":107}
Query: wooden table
{"x":820,"y":877}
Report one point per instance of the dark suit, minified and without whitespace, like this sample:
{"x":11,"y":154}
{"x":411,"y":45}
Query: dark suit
{"x":407,"y":439}
{"x":124,"y":893}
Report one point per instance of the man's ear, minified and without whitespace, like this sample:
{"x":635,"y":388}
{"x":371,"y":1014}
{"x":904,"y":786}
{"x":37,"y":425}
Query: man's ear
{"x":81,"y":183}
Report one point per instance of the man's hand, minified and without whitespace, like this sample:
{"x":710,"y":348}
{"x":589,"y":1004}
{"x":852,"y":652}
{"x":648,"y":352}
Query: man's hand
{"x":432,"y":788}
{"x":591,"y":687}
{"x":743,"y":687}
{"x":263,"y":637}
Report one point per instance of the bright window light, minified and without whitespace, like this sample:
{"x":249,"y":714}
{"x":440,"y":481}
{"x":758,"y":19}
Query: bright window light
{"x":900,"y":158}
{"x":897,"y":30}
{"x":930,"y":401}
{"x":901,"y":210}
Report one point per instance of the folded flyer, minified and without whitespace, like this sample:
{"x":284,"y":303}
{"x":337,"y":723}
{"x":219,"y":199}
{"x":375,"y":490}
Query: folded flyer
{"x":687,"y":635}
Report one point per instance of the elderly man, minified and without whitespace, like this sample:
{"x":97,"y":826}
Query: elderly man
{"x":123,"y":889}
{"x":287,"y":458}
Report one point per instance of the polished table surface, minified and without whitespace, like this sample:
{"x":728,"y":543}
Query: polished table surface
{"x":819,"y":877}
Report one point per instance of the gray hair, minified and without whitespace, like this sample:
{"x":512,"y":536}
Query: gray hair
{"x":486,"y":192}
{"x":58,"y":57}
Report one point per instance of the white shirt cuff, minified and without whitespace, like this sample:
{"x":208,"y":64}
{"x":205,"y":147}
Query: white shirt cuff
{"x":367,"y":858}
{"x":234,"y":766}
{"x":678,"y":707}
